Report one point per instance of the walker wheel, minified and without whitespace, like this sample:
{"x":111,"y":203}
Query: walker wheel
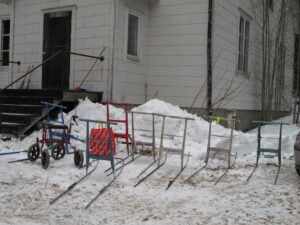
{"x":33,"y":152}
{"x":78,"y":158}
{"x":58,"y":151}
{"x":45,"y":158}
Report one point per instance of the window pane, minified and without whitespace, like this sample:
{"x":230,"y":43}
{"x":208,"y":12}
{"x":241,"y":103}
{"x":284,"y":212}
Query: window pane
{"x":5,"y":43}
{"x":241,"y":43}
{"x":247,"y":29}
{"x":240,"y":62}
{"x":5,"y":58}
{"x":246,"y":46}
{"x":5,"y":26}
{"x":132,"y":43}
{"x":242,"y":25}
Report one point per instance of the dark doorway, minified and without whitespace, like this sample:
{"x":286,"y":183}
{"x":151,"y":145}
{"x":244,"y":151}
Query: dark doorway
{"x":57,"y":36}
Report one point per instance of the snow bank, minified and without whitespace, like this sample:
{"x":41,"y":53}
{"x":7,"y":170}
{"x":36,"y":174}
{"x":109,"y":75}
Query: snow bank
{"x":197,"y":132}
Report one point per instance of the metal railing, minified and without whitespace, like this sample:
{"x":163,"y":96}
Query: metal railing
{"x":100,"y":57}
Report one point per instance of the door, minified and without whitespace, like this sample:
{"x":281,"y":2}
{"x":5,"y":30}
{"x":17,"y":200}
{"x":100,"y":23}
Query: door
{"x":57,"y":36}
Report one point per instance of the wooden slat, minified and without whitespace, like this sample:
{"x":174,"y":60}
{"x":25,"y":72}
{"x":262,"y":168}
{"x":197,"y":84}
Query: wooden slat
{"x":215,"y":149}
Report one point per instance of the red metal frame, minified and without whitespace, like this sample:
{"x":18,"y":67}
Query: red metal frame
{"x":48,"y":140}
{"x":126,"y":136}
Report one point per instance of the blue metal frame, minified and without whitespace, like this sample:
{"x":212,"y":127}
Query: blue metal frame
{"x":110,"y":157}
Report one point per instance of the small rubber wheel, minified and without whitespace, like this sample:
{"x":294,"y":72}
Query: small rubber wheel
{"x":45,"y":158}
{"x":58,"y":151}
{"x":298,"y":171}
{"x":33,"y":152}
{"x":78,"y":158}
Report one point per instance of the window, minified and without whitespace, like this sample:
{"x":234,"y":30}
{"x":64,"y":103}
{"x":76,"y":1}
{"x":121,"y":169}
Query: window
{"x":5,"y":36}
{"x":133,"y":36}
{"x":270,"y":4}
{"x":244,"y":30}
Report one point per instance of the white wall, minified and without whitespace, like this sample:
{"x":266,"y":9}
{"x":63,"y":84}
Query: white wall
{"x":129,"y":76}
{"x":225,"y":44}
{"x":91,"y":31}
{"x":173,"y":63}
{"x":176,"y":51}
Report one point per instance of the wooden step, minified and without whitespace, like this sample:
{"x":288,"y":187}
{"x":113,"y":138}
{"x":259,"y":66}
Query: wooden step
{"x":29,"y":100}
{"x":17,"y":117}
{"x":25,"y":109}
{"x":57,"y":93}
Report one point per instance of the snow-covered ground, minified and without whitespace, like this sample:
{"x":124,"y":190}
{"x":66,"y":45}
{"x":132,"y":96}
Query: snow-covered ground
{"x":26,"y":189}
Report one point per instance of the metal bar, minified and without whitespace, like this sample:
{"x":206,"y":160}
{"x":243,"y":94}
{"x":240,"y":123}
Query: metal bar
{"x":161,"y":146}
{"x":144,"y":170}
{"x":13,"y":62}
{"x":153,"y":137}
{"x":11,"y":153}
{"x":183,"y":143}
{"x":33,"y":69}
{"x":73,"y":185}
{"x":269,"y":122}
{"x":173,"y":135}
{"x":194,"y":174}
{"x":275,"y":182}
{"x":98,"y":121}
{"x":221,"y":136}
{"x":145,"y":113}
{"x":152,"y":172}
{"x":100,"y":193}
{"x":54,"y":105}
{"x":136,"y":129}
{"x":178,"y":174}
{"x":175,"y":117}
{"x":225,"y":172}
{"x":247,"y":181}
{"x":101,"y":58}
{"x":124,"y":164}
{"x":19,"y":160}
{"x":117,"y":121}
{"x":105,"y":187}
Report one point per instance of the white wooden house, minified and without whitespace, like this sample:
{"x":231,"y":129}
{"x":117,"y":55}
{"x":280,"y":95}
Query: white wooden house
{"x":153,"y":48}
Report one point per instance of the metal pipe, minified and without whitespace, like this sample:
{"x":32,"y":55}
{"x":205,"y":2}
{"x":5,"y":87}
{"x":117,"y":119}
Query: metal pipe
{"x":47,"y":60}
{"x":13,"y":38}
{"x":209,"y":55}
{"x":101,"y":58}
{"x":110,"y":87}
{"x":13,"y":62}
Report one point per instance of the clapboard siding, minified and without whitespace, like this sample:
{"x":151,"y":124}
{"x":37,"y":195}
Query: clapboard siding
{"x":177,"y":50}
{"x":91,"y":32}
{"x":173,"y":64}
{"x":130,"y":77}
{"x":225,"y":42}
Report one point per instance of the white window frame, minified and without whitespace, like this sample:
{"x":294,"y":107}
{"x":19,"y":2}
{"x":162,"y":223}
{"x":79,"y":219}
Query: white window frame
{"x":9,"y":48}
{"x":243,"y":58}
{"x":128,"y":57}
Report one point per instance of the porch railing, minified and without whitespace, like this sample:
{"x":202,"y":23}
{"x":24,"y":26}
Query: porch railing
{"x":100,"y":57}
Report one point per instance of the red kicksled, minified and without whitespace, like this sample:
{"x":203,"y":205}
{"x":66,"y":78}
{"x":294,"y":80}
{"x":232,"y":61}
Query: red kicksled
{"x":99,"y":145}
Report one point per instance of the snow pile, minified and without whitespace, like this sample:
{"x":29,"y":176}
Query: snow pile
{"x":93,"y":111}
{"x":25,"y":187}
{"x":244,"y":144}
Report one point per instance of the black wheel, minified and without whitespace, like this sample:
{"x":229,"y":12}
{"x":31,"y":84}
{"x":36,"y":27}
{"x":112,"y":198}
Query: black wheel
{"x":33,"y":152}
{"x":45,"y":158}
{"x":58,"y":151}
{"x":78,"y":158}
{"x":298,"y":171}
